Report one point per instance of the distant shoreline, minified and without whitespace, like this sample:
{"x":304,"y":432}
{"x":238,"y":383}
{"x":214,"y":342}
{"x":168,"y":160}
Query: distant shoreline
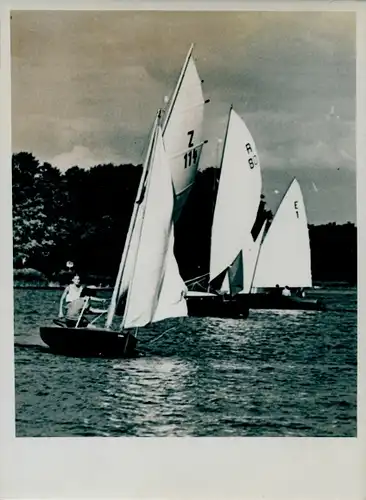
{"x":37,"y":285}
{"x":33,"y":285}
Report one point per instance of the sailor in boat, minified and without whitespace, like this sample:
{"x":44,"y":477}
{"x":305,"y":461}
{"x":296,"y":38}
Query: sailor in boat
{"x":78,"y":298}
{"x":76,"y":310}
{"x":286,"y":292}
{"x":72,"y":292}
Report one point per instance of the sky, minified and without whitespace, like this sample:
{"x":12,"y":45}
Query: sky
{"x":86,"y":87}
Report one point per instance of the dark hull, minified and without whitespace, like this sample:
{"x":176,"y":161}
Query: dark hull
{"x":88,"y":342}
{"x":268,"y":301}
{"x":218,"y":306}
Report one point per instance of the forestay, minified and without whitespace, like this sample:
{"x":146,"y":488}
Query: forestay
{"x":156,"y":285}
{"x":182,"y":131}
{"x":284,"y":257}
{"x":238,"y":197}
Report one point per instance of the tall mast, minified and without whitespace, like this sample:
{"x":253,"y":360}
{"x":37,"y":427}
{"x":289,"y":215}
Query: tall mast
{"x":176,"y":90}
{"x":148,"y":177}
{"x":113,"y":304}
{"x":258,"y":253}
{"x":221,"y":162}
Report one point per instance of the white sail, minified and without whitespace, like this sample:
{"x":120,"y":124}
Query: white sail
{"x":250,"y":257}
{"x":225,"y":287}
{"x":238,"y":196}
{"x":284,"y":257}
{"x":131,"y":244}
{"x":171,"y":302}
{"x":250,"y":252}
{"x":182,"y":131}
{"x":154,"y":253}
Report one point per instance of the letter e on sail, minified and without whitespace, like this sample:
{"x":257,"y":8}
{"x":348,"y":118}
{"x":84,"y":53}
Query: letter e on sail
{"x":284,"y":257}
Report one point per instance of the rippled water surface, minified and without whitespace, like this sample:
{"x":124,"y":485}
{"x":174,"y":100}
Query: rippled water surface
{"x":278,"y":373}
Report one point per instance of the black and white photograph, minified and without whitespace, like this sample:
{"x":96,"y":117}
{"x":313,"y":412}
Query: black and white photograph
{"x":184,"y":223}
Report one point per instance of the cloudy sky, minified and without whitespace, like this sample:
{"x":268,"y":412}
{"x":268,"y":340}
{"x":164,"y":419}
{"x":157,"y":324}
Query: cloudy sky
{"x":86,"y":86}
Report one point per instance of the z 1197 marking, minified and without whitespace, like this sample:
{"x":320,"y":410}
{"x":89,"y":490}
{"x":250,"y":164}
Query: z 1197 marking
{"x":190,"y":158}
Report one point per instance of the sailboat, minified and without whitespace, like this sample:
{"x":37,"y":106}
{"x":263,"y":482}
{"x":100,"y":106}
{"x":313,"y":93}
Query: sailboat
{"x":148,"y":285}
{"x":156,"y":290}
{"x":233,"y":249}
{"x":284,"y":258}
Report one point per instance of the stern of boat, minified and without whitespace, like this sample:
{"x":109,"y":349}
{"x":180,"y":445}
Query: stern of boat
{"x":88,"y":342}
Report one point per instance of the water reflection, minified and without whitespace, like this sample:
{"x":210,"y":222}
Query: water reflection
{"x":148,"y":393}
{"x":276,"y":374}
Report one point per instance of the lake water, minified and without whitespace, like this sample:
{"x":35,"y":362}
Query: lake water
{"x":278,"y":373}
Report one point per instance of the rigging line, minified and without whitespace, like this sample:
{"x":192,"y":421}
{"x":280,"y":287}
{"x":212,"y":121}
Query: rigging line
{"x":257,"y":257}
{"x":97,"y":317}
{"x":159,"y":336}
{"x":86,"y":303}
{"x":197,"y":279}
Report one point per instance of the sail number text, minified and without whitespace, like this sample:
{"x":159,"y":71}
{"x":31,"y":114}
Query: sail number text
{"x":296,"y":209}
{"x":190,"y":157}
{"x":253,"y":160}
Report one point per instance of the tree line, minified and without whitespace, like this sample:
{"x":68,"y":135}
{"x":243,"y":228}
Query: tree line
{"x":83,"y":216}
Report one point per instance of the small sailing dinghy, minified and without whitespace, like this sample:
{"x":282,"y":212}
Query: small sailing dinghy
{"x":284,"y":258}
{"x":232,"y":247}
{"x":148,"y":284}
{"x":155,"y":290}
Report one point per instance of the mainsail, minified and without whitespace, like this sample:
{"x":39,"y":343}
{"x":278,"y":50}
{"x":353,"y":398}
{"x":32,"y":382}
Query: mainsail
{"x":132,"y":239}
{"x":284,"y":257}
{"x":236,"y":206}
{"x":182,"y":131}
{"x":156,"y":290}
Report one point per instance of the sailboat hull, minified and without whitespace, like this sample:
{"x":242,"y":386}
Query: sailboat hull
{"x":269,"y":301}
{"x":88,"y":342}
{"x":217,"y":306}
